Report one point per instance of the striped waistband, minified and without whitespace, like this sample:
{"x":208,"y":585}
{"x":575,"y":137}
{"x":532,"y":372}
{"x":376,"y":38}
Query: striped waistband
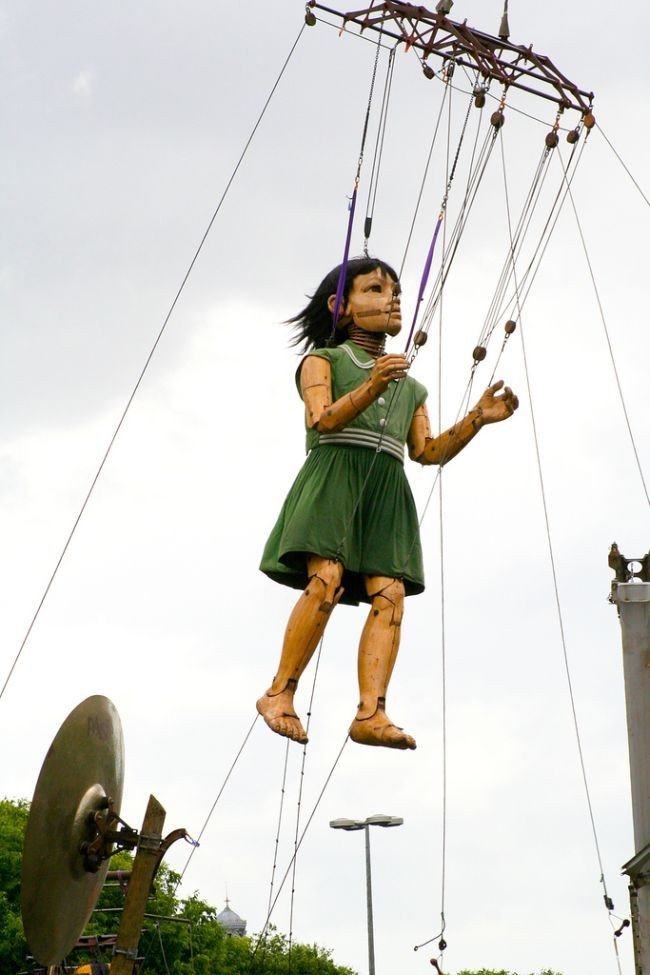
{"x":365,"y":438}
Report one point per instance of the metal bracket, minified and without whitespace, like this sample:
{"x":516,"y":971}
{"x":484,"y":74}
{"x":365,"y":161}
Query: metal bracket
{"x":149,"y":841}
{"x":637,"y":868}
{"x":130,"y":953}
{"x":623,"y":568}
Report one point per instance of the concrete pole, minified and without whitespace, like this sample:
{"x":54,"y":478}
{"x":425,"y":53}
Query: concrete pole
{"x":632,"y":599}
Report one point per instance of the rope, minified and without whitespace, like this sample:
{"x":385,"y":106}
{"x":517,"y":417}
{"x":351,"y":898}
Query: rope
{"x":424,"y":179}
{"x":443,"y":208}
{"x":603,"y":319}
{"x":379,"y":151}
{"x":145,"y":368}
{"x":277,"y":834}
{"x":353,"y":200}
{"x":214,"y":804}
{"x":535,"y":262}
{"x":162,"y":948}
{"x":557,"y":592}
{"x":262,"y":934}
{"x":471,"y":192}
{"x":558,"y":605}
{"x":299,"y":802}
{"x":623,"y":164}
{"x":523,"y":225}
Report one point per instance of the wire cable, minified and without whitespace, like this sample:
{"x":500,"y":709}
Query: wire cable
{"x":277,"y":833}
{"x":599,"y":128}
{"x":146,"y":366}
{"x":262,"y":934}
{"x":603,"y":319}
{"x":300,"y":790}
{"x":373,"y":184}
{"x":214,"y":804}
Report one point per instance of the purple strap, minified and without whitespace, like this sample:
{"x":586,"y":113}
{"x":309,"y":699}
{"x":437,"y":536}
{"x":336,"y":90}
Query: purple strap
{"x":340,"y":287}
{"x":425,"y":278}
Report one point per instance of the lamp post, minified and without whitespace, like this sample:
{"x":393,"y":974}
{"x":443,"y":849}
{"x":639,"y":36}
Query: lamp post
{"x":365,"y":824}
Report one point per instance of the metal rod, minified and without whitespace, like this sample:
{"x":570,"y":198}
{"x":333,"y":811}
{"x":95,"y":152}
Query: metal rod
{"x":371,"y":933}
{"x":432,"y":33}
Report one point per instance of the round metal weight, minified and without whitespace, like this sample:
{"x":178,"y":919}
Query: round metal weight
{"x":82,"y":769}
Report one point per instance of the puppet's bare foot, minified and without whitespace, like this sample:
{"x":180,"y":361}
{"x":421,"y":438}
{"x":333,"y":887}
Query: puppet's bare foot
{"x":379,"y":730}
{"x":280,"y":716}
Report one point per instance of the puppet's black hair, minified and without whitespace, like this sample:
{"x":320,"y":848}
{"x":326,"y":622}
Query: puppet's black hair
{"x":313,"y":325}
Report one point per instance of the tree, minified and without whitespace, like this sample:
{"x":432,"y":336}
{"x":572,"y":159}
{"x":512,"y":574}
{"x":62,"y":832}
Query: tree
{"x":13,"y":948}
{"x":485,"y":971}
{"x":180,"y":936}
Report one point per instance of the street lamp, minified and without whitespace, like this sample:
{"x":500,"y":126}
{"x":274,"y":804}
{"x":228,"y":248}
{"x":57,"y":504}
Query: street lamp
{"x":365,"y":824}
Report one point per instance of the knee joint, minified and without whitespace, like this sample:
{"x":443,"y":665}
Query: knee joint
{"x":390,"y":598}
{"x":326,"y":575}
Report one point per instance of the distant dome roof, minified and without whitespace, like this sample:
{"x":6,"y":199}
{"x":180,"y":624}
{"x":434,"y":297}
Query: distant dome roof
{"x":232,"y":922}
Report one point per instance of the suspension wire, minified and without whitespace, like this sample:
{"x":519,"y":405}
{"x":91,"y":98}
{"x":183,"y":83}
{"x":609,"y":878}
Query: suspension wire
{"x":438,"y":480}
{"x":443,"y":628}
{"x":162,"y":948}
{"x":214,"y":804}
{"x":340,"y":287}
{"x":538,"y":253}
{"x":522,"y":232}
{"x":530,"y":274}
{"x":277,"y":834}
{"x":519,"y":237}
{"x":455,"y":237}
{"x":443,"y":208}
{"x":603,"y":319}
{"x":379,"y":151}
{"x":191,"y":939}
{"x":147,"y":364}
{"x":299,"y":802}
{"x":523,"y":225}
{"x":464,"y":403}
{"x":262,"y":934}
{"x":560,"y":616}
{"x":607,"y":899}
{"x":445,"y":96}
{"x":600,"y":129}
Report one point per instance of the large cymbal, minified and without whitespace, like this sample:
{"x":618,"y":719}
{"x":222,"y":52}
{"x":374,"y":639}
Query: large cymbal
{"x":83,"y":767}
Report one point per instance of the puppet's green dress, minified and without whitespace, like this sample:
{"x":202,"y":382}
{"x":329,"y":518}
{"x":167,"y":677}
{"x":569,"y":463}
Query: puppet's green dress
{"x":351,"y":501}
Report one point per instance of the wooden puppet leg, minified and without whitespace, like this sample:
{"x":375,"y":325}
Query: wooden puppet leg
{"x":304,"y":630}
{"x":377,"y":654}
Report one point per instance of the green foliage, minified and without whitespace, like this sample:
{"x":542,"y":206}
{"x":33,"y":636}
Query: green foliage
{"x":490,"y":971}
{"x":13,"y":820}
{"x":180,"y":937}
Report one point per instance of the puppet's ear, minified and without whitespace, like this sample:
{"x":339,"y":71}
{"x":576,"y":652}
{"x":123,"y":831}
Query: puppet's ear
{"x":343,"y":318}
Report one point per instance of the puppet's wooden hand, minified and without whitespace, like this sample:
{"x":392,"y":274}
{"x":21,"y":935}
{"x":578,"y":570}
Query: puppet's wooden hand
{"x":492,"y":407}
{"x":387,"y":368}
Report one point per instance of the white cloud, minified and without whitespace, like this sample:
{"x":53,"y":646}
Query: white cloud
{"x":83,"y":86}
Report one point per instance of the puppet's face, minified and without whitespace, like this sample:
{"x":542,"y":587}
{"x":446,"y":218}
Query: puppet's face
{"x":374,"y":304}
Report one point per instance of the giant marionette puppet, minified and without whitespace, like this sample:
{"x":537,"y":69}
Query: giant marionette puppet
{"x":348,"y":530}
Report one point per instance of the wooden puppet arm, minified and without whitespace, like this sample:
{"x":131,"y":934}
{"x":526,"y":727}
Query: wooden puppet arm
{"x":491,"y":408}
{"x":426,"y":449}
{"x":316,"y":384}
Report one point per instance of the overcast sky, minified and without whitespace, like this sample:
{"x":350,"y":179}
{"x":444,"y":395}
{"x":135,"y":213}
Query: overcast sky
{"x":122,"y":124}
